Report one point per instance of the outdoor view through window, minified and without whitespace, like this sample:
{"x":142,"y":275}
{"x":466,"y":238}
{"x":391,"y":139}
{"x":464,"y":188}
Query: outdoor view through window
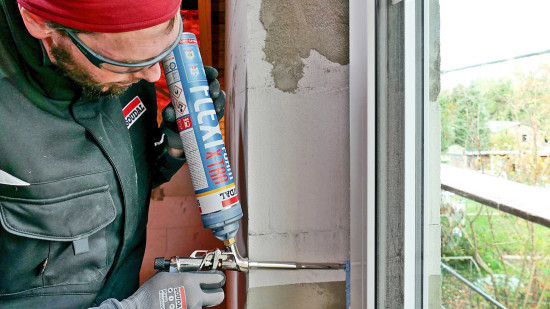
{"x":495,"y":153}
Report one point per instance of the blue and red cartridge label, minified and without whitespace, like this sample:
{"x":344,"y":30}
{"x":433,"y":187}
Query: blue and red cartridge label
{"x":198,"y":127}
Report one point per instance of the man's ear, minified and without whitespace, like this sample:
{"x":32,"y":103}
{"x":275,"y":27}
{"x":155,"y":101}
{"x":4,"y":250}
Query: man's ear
{"x":36,"y":25}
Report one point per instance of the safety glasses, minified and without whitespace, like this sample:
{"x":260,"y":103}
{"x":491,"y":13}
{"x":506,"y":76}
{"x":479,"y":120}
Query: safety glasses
{"x":117,"y":66}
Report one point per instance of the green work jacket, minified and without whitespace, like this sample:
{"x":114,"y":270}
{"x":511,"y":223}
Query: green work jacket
{"x":75,"y":235}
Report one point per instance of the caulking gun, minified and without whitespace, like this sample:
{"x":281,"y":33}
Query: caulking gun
{"x":209,"y":166}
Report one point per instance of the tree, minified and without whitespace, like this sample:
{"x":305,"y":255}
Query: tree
{"x":514,"y":251}
{"x":464,"y":117}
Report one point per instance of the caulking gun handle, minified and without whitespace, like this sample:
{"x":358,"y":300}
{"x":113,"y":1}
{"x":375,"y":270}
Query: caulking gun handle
{"x":179,"y":264}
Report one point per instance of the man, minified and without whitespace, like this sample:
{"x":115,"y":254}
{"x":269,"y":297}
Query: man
{"x":80,"y":151}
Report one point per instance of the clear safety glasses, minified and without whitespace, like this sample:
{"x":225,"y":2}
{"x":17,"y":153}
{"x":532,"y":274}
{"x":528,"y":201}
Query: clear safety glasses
{"x":117,"y":66}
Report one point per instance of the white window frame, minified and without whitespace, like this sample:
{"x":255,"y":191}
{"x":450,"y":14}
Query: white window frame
{"x":422,"y":229}
{"x":362,"y":153}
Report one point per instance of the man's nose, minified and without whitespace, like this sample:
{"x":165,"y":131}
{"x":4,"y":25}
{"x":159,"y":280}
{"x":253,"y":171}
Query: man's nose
{"x":151,"y":74}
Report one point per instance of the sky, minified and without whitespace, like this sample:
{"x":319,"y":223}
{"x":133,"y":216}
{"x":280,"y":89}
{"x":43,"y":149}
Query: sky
{"x":479,"y":31}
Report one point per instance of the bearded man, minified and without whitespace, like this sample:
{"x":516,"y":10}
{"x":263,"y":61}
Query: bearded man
{"x":75,"y":174}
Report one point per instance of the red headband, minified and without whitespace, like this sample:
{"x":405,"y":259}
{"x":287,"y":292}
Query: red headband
{"x":104,"y":15}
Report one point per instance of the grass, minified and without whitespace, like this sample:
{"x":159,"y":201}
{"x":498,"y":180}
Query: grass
{"x":497,"y":234}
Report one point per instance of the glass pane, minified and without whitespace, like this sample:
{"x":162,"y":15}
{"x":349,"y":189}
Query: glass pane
{"x":495,"y":124}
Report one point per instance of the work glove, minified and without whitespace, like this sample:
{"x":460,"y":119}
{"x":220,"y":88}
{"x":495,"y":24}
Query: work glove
{"x":186,"y":290}
{"x":169,"y":125}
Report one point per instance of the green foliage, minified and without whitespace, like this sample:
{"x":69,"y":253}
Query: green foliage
{"x":531,"y":98}
{"x":502,"y":141}
{"x":448,"y":119}
{"x":513,"y":254}
{"x":497,"y":95}
{"x":465,"y":109}
{"x":464,"y":117}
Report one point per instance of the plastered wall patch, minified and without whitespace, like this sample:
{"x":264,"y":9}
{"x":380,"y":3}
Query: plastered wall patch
{"x":294,"y":28}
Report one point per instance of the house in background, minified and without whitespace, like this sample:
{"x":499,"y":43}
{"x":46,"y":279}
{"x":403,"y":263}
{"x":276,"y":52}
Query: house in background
{"x":508,"y":141}
{"x":509,"y":135}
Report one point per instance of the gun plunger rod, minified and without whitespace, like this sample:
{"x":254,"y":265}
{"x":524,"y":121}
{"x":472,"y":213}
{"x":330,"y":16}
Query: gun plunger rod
{"x":244,"y":264}
{"x":292,"y":265}
{"x":231,"y":259}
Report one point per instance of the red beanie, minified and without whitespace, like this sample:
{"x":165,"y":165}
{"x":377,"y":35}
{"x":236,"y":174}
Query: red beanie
{"x":104,"y":15}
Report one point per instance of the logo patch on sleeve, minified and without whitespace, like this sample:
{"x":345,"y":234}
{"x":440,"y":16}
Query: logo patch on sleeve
{"x":132,"y":111}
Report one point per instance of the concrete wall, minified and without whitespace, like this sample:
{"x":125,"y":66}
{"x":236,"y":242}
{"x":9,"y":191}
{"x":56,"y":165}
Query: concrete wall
{"x":287,"y":82}
{"x":432,"y":248}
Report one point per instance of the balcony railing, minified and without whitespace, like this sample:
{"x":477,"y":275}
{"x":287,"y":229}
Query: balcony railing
{"x":523,"y":201}
{"x":518,"y":200}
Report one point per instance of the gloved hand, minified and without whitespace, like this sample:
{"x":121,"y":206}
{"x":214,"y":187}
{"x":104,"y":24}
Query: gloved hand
{"x":187,"y":290}
{"x":169,"y":126}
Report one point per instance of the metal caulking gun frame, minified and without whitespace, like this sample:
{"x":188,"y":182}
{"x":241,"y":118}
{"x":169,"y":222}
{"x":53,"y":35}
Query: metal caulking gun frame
{"x":209,"y":166}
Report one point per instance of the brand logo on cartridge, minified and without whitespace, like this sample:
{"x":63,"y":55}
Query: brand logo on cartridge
{"x":188,"y":41}
{"x":229,"y":197}
{"x":216,"y":160}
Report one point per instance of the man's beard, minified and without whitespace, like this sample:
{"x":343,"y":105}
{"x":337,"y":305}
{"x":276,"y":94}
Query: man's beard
{"x":90,"y":88}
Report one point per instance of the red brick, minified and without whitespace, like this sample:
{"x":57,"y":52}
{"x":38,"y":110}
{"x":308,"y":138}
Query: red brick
{"x":180,"y":184}
{"x":183,"y":241}
{"x":174,"y":212}
{"x":156,"y":247}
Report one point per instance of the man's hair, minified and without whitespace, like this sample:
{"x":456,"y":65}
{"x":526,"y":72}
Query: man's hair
{"x":59,"y":27}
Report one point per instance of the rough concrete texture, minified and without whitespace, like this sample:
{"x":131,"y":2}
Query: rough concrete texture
{"x":432,"y":251}
{"x":390,"y":162}
{"x":294,"y":28}
{"x":434,"y":49}
{"x":299,"y":296}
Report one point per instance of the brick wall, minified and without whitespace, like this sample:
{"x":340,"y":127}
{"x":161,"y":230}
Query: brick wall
{"x":175,"y":226}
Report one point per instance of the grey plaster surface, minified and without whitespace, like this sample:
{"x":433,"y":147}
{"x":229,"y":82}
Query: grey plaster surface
{"x":294,"y":28}
{"x":297,"y":160}
{"x":294,"y":144}
{"x":330,"y":295}
{"x":432,"y":250}
{"x":435,"y":53}
{"x":389,"y":158}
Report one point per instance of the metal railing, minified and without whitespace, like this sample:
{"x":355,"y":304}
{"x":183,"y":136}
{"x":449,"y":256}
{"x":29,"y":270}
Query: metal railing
{"x":472,"y":286}
{"x":498,"y":194}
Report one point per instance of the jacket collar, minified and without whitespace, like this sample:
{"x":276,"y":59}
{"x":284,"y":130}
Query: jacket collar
{"x":28,"y":65}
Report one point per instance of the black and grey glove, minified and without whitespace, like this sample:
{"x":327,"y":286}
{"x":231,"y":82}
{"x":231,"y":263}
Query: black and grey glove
{"x":187,"y":290}
{"x":169,"y":126}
